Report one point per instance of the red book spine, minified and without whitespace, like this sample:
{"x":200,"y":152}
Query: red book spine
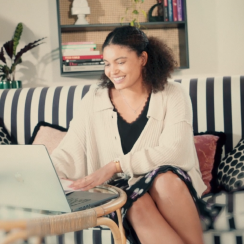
{"x":82,"y":57}
{"x":175,"y":11}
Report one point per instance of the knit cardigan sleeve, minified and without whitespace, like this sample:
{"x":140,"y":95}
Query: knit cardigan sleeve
{"x":69,"y":158}
{"x":176,"y":142}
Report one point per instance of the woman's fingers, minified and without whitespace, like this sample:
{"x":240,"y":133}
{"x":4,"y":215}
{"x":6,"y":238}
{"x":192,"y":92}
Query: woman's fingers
{"x":81,"y":183}
{"x":96,"y":178}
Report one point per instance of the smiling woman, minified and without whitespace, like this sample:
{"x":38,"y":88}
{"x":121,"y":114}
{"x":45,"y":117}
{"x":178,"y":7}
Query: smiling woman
{"x":134,"y":130}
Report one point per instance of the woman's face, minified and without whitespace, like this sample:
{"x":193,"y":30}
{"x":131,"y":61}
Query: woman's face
{"x":122,"y":66}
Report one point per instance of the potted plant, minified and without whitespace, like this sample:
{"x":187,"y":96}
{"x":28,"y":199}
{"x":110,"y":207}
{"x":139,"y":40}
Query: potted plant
{"x":132,"y":13}
{"x":9,"y":62}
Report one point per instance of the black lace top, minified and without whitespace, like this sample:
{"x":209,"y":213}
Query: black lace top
{"x":130,"y":132}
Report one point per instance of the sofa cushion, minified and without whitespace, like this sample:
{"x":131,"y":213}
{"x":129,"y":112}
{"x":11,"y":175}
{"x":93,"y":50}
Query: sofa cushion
{"x":209,"y":149}
{"x":48,"y":134}
{"x":206,"y":148}
{"x":231,"y":169}
{"x":5,"y":138}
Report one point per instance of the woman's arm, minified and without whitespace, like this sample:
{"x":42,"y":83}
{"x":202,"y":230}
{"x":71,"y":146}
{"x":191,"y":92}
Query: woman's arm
{"x":69,"y":158}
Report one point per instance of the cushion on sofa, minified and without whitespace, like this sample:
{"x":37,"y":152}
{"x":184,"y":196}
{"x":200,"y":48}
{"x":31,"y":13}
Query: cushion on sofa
{"x":209,"y":149}
{"x":231,"y":169}
{"x":48,"y":134}
{"x":5,"y":138}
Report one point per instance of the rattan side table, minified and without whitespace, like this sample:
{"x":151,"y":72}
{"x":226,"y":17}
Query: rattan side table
{"x":59,"y":224}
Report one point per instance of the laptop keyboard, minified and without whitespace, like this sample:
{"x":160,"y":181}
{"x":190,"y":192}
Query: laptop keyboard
{"x":75,"y":201}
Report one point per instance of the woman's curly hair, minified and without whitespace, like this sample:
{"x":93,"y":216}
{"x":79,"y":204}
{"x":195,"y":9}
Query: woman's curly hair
{"x":160,"y":63}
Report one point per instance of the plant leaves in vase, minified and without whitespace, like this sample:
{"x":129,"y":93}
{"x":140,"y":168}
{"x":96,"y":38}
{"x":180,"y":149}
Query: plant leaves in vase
{"x":25,"y":49}
{"x":2,"y":58}
{"x":9,"y":48}
{"x":16,"y":37}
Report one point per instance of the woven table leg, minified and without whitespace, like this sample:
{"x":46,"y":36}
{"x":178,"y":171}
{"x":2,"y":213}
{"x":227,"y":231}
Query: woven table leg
{"x":14,"y":236}
{"x":113,"y":227}
{"x":121,"y":228}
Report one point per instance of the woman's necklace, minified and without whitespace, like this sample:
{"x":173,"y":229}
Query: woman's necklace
{"x":134,"y":110}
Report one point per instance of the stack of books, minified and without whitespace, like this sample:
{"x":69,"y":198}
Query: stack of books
{"x":173,"y":10}
{"x":81,"y":56}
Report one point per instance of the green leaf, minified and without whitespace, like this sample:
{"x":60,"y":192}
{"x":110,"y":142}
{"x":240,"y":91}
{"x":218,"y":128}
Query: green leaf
{"x":144,"y":13}
{"x":132,"y":23}
{"x":2,"y":58}
{"x":25,"y":49}
{"x":135,"y":12}
{"x":142,"y":1}
{"x":9,"y":48}
{"x":16,"y":37}
{"x":5,"y":70}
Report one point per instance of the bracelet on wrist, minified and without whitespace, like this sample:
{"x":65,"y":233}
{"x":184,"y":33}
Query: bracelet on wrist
{"x":118,"y":167}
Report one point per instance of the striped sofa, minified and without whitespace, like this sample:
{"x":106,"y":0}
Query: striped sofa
{"x":218,"y":105}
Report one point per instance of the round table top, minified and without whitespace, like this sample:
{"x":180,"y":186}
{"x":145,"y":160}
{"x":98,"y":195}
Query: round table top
{"x":31,"y":222}
{"x":8,"y":213}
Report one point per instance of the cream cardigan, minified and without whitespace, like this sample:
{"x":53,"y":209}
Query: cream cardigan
{"x":93,"y":139}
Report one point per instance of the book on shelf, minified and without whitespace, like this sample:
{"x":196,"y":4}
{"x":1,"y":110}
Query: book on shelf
{"x":82,"y":68}
{"x":170,"y":10}
{"x":180,"y":10}
{"x":70,"y":63}
{"x":166,"y":13}
{"x":76,"y":43}
{"x":79,"y":57}
{"x":175,"y":11}
{"x":80,"y":46}
{"x":76,"y":52}
{"x":83,"y":60}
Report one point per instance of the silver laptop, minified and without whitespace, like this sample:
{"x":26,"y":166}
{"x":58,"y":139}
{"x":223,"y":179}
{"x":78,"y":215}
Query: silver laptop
{"x":28,"y":179}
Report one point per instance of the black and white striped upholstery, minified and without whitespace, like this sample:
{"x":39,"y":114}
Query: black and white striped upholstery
{"x":218,"y":105}
{"x":22,"y":109}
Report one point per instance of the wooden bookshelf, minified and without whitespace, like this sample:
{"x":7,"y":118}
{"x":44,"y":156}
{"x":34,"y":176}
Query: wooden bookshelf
{"x":104,"y":19}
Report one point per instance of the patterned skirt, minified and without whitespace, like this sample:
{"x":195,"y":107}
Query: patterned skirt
{"x":143,"y":185}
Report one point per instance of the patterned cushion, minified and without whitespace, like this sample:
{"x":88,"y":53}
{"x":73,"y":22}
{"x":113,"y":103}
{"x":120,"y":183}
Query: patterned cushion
{"x":4,"y":136}
{"x":231,"y":169}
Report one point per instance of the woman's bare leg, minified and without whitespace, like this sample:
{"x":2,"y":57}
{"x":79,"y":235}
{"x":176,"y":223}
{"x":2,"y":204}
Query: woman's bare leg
{"x":149,"y":225}
{"x":177,"y":207}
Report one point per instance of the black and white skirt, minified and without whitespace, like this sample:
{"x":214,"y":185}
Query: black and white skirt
{"x":143,"y":185}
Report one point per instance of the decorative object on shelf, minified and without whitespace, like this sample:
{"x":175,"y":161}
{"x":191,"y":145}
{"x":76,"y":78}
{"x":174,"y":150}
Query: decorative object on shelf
{"x":7,"y":69}
{"x":160,"y":10}
{"x":132,"y":13}
{"x":80,"y":8}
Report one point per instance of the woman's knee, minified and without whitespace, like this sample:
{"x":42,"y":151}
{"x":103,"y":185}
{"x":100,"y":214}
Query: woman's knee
{"x":139,"y":206}
{"x":167,"y":184}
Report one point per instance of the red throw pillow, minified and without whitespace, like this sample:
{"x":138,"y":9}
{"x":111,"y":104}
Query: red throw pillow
{"x":206,"y":148}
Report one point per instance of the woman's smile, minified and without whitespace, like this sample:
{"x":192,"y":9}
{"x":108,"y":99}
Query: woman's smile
{"x":119,"y":79}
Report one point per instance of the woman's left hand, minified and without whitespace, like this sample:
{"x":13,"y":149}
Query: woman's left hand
{"x":97,"y":178}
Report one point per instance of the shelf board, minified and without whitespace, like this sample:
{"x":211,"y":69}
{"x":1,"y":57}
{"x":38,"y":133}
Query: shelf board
{"x":109,"y":27}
